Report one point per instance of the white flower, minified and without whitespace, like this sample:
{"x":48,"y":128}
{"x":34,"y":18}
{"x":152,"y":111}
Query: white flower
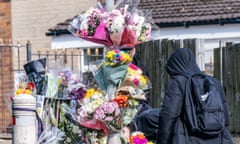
{"x":117,"y":24}
{"x":138,"y":22}
{"x":84,"y":25}
{"x":129,"y":114}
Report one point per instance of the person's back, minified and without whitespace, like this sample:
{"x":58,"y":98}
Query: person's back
{"x":173,"y":128}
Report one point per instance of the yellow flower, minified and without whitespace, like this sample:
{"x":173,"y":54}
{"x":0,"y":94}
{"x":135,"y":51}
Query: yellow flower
{"x":143,"y":80}
{"x":150,"y":142}
{"x":110,"y":55}
{"x":89,"y":93}
{"x":126,"y":58}
{"x":23,"y":91}
{"x":27,"y":91}
{"x":19,"y":91}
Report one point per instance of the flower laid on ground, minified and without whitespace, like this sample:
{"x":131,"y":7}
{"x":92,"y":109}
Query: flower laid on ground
{"x":117,"y":57}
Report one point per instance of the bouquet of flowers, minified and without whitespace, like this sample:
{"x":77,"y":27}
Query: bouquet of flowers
{"x":113,"y":29}
{"x":117,"y":57}
{"x":121,"y":83}
{"x":108,"y":113}
{"x":89,"y":26}
{"x":135,"y":78}
{"x":112,"y":70}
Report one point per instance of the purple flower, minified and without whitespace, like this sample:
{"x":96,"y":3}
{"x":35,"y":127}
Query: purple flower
{"x":77,"y":93}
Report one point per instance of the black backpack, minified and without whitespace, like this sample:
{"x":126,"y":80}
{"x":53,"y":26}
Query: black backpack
{"x":203,"y":109}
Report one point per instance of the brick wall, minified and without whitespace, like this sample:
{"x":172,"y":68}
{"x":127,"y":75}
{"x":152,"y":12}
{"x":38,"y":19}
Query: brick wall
{"x":6,"y":75}
{"x":31,"y":19}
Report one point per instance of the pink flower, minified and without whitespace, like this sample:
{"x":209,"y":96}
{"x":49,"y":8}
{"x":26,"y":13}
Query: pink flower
{"x":109,"y":118}
{"x":99,"y":114}
{"x":108,"y":108}
{"x":117,"y":51}
{"x":136,"y":81}
{"x":132,"y":66}
{"x":117,"y":112}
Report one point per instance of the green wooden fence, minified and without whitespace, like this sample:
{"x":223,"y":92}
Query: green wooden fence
{"x":154,"y":55}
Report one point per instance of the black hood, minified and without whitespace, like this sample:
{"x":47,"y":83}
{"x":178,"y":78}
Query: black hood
{"x":182,"y":61}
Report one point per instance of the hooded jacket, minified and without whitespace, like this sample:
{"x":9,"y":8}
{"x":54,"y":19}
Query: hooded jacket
{"x":171,"y":127}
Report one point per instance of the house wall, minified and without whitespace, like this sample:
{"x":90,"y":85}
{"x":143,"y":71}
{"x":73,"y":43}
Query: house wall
{"x":31,"y":19}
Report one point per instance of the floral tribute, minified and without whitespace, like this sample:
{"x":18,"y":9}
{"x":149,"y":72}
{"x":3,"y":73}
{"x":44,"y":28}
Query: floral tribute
{"x":114,"y":103}
{"x":74,"y":112}
{"x":113,"y":29}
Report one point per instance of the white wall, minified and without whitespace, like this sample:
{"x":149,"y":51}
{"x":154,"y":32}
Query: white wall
{"x":69,"y":41}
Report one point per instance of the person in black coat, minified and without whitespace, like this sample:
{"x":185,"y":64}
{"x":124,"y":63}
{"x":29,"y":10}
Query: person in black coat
{"x":171,"y":127}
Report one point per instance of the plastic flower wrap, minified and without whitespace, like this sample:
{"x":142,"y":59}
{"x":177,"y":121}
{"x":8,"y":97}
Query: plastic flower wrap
{"x":127,"y":97}
{"x":78,"y":131}
{"x":115,"y":25}
{"x":112,"y":71}
{"x":77,"y":90}
{"x":52,"y":84}
{"x":64,"y":76}
{"x":89,"y":26}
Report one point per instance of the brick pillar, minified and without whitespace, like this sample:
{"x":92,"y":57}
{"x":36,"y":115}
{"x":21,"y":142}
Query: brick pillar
{"x":6,"y":66}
